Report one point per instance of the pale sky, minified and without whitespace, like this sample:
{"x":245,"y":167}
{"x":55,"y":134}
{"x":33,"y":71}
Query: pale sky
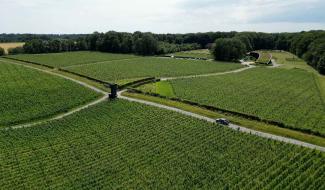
{"x":160,"y":16}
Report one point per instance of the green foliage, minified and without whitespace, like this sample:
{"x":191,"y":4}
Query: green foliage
{"x":228,"y":49}
{"x":16,"y":50}
{"x":26,"y":95}
{"x":146,"y":45}
{"x":165,"y":47}
{"x":114,"y":71}
{"x":288,"y":96}
{"x":124,"y":145}
{"x":72,"y":58}
{"x":2,"y":51}
{"x":204,"y":53}
{"x":316,"y":55}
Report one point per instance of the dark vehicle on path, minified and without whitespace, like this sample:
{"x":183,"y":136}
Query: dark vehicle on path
{"x":222,"y":121}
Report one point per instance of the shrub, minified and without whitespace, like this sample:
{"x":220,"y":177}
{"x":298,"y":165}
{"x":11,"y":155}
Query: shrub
{"x":2,"y":51}
{"x":16,"y":50}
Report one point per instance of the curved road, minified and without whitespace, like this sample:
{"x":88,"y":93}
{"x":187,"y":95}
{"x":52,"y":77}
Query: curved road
{"x":232,"y":126}
{"x":210,"y":74}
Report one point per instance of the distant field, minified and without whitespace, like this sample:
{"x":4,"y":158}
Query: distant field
{"x":203,"y":53}
{"x":71,"y":58}
{"x":27,"y":95}
{"x":6,"y":46}
{"x":289,"y":60}
{"x":115,"y":71}
{"x":123,"y":145}
{"x":291,"y":96}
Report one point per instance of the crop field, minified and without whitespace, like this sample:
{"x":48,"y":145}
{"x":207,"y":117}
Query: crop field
{"x":287,"y":96}
{"x":65,"y":59}
{"x":203,"y":53}
{"x":115,"y":71}
{"x":27,"y":95}
{"x":124,"y":145}
{"x":6,"y":46}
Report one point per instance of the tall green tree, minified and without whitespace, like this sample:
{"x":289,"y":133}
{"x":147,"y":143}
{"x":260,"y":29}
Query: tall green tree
{"x":2,"y":51}
{"x":146,"y":45}
{"x":228,"y":49}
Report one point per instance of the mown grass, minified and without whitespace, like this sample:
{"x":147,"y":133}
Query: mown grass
{"x":123,"y":145}
{"x":27,"y":95}
{"x":163,"y":88}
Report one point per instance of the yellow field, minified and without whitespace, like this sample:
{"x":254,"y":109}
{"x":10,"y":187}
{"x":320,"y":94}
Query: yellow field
{"x":6,"y":46}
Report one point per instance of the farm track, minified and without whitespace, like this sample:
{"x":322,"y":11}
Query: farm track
{"x":208,"y":75}
{"x":232,"y":126}
{"x":60,"y":116}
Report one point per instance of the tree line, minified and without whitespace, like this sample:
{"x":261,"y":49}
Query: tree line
{"x":307,"y":45}
{"x":113,"y":42}
{"x":28,"y":37}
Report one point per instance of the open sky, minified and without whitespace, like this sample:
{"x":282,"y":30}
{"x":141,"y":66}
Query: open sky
{"x":160,"y":16}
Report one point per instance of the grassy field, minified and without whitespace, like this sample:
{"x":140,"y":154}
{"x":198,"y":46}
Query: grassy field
{"x":290,"y":96}
{"x":123,"y":145}
{"x":116,"y":71}
{"x":163,"y":88}
{"x":264,"y":58}
{"x":27,"y":95}
{"x":203,"y":53}
{"x":71,"y":58}
{"x":6,"y":46}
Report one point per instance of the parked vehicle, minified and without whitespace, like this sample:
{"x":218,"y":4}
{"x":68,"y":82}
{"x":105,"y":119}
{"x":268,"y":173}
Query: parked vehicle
{"x":222,"y":121}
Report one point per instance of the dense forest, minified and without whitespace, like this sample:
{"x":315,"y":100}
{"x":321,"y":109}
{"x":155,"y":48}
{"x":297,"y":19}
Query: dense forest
{"x":307,"y":45}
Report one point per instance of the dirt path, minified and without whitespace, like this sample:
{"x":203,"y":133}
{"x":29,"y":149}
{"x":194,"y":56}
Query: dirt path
{"x":232,"y":126}
{"x":60,"y":116}
{"x":209,"y":75}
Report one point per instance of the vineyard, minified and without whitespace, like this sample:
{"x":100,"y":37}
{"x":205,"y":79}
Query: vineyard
{"x":150,"y":67}
{"x":27,"y":95}
{"x":123,"y":145}
{"x":291,"y":97}
{"x":71,"y":58}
